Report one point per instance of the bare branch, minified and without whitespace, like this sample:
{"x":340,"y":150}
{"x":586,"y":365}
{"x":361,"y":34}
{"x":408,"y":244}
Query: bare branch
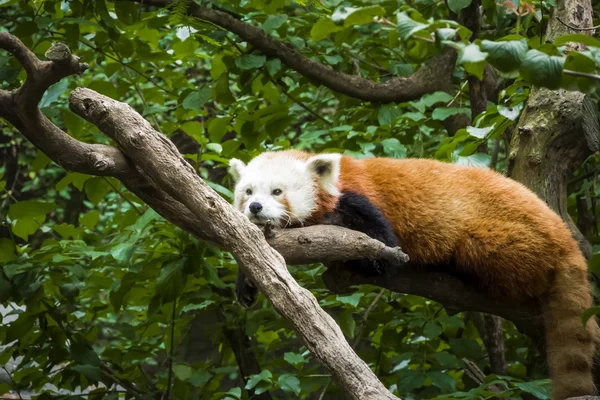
{"x":330,"y":243}
{"x":434,"y":75}
{"x":324,"y":243}
{"x":160,"y":160}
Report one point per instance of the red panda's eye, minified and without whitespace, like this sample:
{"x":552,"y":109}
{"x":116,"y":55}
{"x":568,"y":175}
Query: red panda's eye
{"x":277,"y":192}
{"x":248,"y":192}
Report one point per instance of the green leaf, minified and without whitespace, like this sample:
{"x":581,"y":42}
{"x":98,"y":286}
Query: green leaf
{"x":442,"y":380}
{"x":77,"y":179}
{"x":273,"y":66}
{"x":264,"y":376}
{"x":67,"y":230}
{"x":123,"y":252}
{"x":364,"y":15}
{"x":447,"y":360}
{"x":277,"y":125}
{"x":273,"y":22}
{"x":473,"y":60}
{"x":393,"y":148}
{"x":506,"y":56}
{"x":471,"y":54}
{"x":171,"y":281}
{"x":289,"y":383}
{"x":84,"y":355}
{"x":407,"y":26}
{"x":24,"y":227}
{"x":580,"y":63}
{"x":217,"y":128}
{"x":90,"y":219}
{"x":41,"y":161}
{"x":297,"y":360}
{"x":511,"y":113}
{"x":7,"y":250}
{"x":201,"y":306}
{"x":442,"y":113}
{"x":387,"y":114}
{"x":52,"y":94}
{"x":96,"y":188}
{"x":4,"y":387}
{"x":323,"y":28}
{"x":235,"y":392}
{"x":352,"y":299}
{"x":410,"y":380}
{"x":479,"y":133}
{"x":347,"y":323}
{"x":200,"y":377}
{"x":250,"y":61}
{"x":539,"y":388}
{"x":92,"y":372}
{"x":589,"y":313}
{"x":542,"y":70}
{"x":29,"y":209}
{"x":432,"y":330}
{"x":476,"y":160}
{"x":127,"y":11}
{"x":196,"y":99}
{"x":182,"y":372}
{"x":457,"y":5}
{"x":578,"y":38}
{"x":432,"y":99}
{"x":216,"y":147}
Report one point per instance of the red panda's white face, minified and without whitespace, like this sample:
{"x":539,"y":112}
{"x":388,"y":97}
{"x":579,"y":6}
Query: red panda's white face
{"x":282,"y":187}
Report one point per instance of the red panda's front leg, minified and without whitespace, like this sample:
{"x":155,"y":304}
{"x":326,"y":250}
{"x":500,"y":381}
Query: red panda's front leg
{"x":355,"y":211}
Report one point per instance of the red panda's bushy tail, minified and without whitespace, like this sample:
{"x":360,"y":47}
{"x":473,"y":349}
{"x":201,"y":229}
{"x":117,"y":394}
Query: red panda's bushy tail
{"x":571,"y":346}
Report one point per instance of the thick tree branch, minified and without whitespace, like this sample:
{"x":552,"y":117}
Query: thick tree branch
{"x":330,"y":243}
{"x":434,"y":75}
{"x":159,"y":159}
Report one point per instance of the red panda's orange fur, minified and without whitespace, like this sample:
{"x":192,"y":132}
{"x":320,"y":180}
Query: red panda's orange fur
{"x":495,"y":229}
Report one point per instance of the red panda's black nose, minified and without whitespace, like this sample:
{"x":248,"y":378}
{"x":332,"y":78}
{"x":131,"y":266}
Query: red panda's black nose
{"x":255,"y":207}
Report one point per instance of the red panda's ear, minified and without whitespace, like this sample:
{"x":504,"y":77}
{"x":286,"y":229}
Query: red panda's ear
{"x":326,"y":167}
{"x":236,"y":168}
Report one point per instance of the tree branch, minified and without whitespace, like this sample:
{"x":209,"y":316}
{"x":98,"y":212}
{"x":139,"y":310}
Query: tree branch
{"x":434,"y":75}
{"x":160,"y":160}
{"x":19,"y":107}
{"x":325,"y":243}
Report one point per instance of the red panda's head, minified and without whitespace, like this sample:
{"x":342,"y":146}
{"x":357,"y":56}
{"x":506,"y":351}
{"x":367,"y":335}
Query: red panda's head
{"x":284,"y":187}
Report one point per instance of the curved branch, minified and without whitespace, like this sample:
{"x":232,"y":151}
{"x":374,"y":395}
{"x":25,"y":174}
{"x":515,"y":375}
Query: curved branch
{"x":158,"y":158}
{"x":19,"y":107}
{"x":433,"y":76}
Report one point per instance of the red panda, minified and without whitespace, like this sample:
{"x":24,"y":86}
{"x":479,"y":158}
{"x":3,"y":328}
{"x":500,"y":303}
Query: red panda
{"x":485,"y":226}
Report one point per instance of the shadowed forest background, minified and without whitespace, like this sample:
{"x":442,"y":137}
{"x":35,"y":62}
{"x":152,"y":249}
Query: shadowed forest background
{"x":101,"y":295}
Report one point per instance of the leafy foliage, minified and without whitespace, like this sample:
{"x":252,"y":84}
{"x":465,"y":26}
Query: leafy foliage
{"x":101,"y":294}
